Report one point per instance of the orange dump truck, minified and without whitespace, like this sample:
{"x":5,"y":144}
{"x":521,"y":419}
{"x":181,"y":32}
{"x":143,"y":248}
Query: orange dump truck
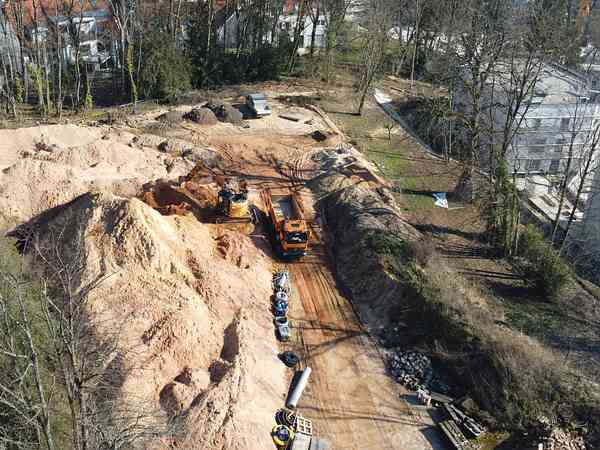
{"x":288,"y":227}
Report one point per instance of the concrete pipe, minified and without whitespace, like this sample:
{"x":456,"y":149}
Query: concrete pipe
{"x":294,"y":397}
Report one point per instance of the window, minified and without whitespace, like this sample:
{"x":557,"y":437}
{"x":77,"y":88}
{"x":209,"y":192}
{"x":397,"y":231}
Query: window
{"x":538,"y":145}
{"x":565,"y":124}
{"x":554,"y":166}
{"x":321,"y":22}
{"x":558,"y":148}
{"x":535,"y":123}
{"x":534,"y":165}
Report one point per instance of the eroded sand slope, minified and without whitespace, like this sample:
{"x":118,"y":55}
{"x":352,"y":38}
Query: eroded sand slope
{"x":194,"y":307}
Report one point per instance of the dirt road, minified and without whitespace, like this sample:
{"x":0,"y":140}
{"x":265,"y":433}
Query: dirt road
{"x":351,"y":400}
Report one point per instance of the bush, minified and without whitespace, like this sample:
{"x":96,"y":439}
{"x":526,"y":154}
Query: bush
{"x":540,"y":264}
{"x":165,"y":71}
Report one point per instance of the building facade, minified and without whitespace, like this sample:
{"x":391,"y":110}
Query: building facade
{"x":557,"y":125}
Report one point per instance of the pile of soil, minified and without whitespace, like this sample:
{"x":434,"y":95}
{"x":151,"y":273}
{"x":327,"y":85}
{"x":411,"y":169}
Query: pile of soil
{"x":226,"y":112}
{"x":82,"y":159}
{"x":171,"y":117}
{"x":196,"y":341}
{"x":202,"y":116}
{"x":354,"y":211}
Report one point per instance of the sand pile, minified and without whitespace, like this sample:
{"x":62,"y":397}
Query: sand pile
{"x":198,"y":321}
{"x":47,"y":166}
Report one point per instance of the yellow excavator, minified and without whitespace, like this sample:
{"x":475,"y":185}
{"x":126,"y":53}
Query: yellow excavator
{"x":194,"y":191}
{"x":232,"y":198}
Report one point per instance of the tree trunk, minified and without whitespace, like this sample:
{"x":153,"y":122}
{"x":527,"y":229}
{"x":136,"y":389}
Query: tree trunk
{"x":314,"y":30}
{"x":416,"y":46}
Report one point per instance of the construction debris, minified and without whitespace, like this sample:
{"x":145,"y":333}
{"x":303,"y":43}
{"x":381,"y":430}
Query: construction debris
{"x":412,"y":369}
{"x":557,"y":438}
{"x":468,"y":424}
{"x":318,"y":136}
{"x":171,"y":117}
{"x":455,"y":436}
{"x":226,"y":112}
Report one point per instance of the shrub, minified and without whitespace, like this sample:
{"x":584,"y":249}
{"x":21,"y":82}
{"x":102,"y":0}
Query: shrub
{"x":165,"y":71}
{"x":540,"y":264}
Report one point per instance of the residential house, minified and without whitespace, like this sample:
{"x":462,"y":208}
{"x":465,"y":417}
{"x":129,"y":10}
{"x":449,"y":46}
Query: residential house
{"x":91,"y":22}
{"x":288,"y":25}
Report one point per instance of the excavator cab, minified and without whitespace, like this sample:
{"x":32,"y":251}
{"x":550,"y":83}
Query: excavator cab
{"x":233,"y":200}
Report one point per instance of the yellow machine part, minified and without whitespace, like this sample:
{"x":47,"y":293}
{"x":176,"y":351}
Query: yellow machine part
{"x":282,"y":436}
{"x":239,"y":209}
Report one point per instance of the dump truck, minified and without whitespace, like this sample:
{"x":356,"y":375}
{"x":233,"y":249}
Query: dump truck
{"x":289,"y":229}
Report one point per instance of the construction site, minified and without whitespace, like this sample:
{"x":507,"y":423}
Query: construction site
{"x":213,"y":243}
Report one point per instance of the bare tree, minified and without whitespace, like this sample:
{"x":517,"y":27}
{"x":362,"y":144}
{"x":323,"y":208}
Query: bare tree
{"x":373,"y":49}
{"x":62,"y":359}
{"x":588,"y":168}
{"x":580,"y":136}
{"x":475,"y":55}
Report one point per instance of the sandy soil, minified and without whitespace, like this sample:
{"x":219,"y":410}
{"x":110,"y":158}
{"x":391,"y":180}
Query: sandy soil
{"x":351,"y":399}
{"x":193,"y":317}
{"x":47,"y":166}
{"x":193,"y":298}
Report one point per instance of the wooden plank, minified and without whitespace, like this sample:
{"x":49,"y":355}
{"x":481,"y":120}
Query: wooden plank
{"x":454,"y":435}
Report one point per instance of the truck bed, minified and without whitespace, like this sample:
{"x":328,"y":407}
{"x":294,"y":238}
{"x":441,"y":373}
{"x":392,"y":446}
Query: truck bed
{"x":283,"y":206}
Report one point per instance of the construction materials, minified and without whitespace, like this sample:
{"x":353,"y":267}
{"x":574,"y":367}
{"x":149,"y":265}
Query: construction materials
{"x":296,"y":393}
{"x":280,"y":309}
{"x":281,"y":284}
{"x":299,"y":430}
{"x":281,"y":281}
{"x":289,"y":230}
{"x":454,"y":435}
{"x":285,"y":417}
{"x":283,"y":328}
{"x":470,"y":425}
{"x":282,"y":436}
{"x":290,"y":359}
{"x":281,"y":296}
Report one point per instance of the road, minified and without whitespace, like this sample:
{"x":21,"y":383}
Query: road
{"x":351,"y":400}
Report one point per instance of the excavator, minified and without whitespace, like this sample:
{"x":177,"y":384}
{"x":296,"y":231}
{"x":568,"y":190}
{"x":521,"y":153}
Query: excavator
{"x":194,"y":192}
{"x":232,"y":198}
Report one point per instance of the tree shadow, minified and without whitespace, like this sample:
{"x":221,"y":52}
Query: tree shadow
{"x":430,"y":228}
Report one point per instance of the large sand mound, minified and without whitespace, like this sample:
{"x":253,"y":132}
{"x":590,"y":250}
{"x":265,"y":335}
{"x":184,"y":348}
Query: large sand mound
{"x":47,"y":166}
{"x":197,"y":318}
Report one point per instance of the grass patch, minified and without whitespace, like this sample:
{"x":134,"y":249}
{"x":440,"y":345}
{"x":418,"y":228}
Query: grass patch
{"x":537,"y":319}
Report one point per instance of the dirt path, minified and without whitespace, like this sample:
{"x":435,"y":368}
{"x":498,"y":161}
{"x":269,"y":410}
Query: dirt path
{"x":351,"y":400}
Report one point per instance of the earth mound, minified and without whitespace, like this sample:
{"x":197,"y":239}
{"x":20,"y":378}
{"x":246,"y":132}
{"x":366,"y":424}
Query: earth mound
{"x":195,"y":338}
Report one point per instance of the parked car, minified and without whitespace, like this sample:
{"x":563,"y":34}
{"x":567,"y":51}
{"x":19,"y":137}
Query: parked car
{"x":283,"y":328}
{"x":257,"y":103}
